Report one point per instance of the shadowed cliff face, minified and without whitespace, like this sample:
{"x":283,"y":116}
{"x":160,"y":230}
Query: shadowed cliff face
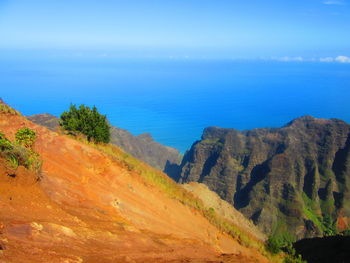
{"x":142,"y":146}
{"x":293,"y":179}
{"x":333,"y":249}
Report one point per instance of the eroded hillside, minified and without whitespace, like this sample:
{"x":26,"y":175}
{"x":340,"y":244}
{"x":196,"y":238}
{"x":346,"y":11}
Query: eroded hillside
{"x":96,"y":204}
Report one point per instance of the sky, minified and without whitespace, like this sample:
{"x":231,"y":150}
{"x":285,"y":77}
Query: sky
{"x":282,"y":29}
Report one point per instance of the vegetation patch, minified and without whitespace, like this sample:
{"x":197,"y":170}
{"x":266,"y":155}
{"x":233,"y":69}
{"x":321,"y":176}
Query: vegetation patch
{"x":310,"y":213}
{"x":281,"y":242}
{"x":324,"y":223}
{"x":25,"y":137}
{"x":20,"y":152}
{"x":86,"y":121}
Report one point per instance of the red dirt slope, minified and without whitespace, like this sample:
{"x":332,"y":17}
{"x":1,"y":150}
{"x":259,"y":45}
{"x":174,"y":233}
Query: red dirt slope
{"x":89,"y":208}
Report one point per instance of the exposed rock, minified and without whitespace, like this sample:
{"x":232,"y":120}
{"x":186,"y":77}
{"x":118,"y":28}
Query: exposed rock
{"x":297,"y":175}
{"x":142,"y":146}
{"x":145,"y":148}
{"x":45,"y":119}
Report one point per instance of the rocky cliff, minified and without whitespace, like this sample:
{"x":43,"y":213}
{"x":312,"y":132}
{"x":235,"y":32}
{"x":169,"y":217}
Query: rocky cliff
{"x":142,"y":146}
{"x":145,"y":148}
{"x":47,"y":120}
{"x":291,"y":181}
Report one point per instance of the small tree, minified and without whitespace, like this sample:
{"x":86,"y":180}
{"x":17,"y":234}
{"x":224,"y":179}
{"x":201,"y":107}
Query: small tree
{"x":25,"y":137}
{"x":86,"y":121}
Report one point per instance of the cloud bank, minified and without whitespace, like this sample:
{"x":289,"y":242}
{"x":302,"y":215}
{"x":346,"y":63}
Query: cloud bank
{"x":334,"y":2}
{"x":290,"y":59}
{"x":342,"y":59}
{"x":338,"y":59}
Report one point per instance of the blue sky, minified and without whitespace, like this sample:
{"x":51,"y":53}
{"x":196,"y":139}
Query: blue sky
{"x":282,"y":29}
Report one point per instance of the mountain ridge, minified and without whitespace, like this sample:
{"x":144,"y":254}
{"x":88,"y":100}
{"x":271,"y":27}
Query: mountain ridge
{"x":297,"y":175}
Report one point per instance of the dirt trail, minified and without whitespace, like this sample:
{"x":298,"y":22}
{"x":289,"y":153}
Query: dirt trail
{"x":88,"y":208}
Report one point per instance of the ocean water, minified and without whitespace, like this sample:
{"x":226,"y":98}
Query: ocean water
{"x":175,"y":100}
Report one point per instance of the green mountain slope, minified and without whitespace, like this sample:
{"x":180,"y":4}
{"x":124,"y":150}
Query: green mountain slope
{"x":293,"y":181}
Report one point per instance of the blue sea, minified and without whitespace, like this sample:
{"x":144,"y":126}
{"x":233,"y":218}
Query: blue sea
{"x":175,"y":99}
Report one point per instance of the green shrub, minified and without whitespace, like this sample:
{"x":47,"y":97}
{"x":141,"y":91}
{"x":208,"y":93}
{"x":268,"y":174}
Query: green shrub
{"x":86,"y":121}
{"x":20,"y":152}
{"x":5,"y":144}
{"x":274,"y":245}
{"x":329,"y":228}
{"x":12,"y":159}
{"x":34,"y":162}
{"x":281,"y":243}
{"x":25,"y":137}
{"x":291,"y":255}
{"x":20,"y":155}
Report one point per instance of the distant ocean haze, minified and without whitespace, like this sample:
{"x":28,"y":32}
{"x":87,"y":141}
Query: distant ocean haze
{"x":175,"y":100}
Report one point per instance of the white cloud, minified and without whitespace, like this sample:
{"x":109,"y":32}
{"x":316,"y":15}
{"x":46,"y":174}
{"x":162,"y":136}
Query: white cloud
{"x":338,"y":59}
{"x":327,"y":59}
{"x":288,"y":59}
{"x":342,"y":59}
{"x":334,"y":2}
